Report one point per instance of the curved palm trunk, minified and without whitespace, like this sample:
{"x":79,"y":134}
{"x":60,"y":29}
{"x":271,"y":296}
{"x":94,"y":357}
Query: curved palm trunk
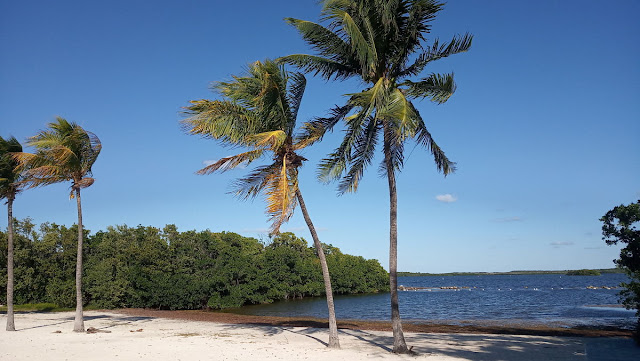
{"x":399,"y":344}
{"x":78,"y":325}
{"x":334,"y":342}
{"x":10,"y":320}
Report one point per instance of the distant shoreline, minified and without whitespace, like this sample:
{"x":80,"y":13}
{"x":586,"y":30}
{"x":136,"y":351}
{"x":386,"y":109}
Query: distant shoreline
{"x":510,"y":273}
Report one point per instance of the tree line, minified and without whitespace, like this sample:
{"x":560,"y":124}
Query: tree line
{"x":382,"y":43}
{"x":167,"y":269}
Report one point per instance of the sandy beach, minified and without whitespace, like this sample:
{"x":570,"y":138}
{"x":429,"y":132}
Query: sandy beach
{"x":49,"y":336}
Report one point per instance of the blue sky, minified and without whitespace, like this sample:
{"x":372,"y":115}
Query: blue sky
{"x":544,"y":125}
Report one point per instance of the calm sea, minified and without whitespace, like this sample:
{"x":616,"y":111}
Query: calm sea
{"x":536,"y":299}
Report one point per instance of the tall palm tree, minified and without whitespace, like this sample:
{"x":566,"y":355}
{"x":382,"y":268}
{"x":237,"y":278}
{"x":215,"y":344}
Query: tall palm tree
{"x":259,"y":113}
{"x":381,"y":42}
{"x":9,"y":186}
{"x":64,"y":152}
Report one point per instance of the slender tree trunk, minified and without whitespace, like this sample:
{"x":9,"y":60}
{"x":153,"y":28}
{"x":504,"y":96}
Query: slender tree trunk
{"x":399,"y":344}
{"x":10,"y":320}
{"x":334,"y":342}
{"x":78,"y":325}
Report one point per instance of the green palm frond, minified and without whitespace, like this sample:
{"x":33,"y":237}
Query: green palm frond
{"x":398,"y":109}
{"x":458,"y":44}
{"x":10,"y":178}
{"x":227,"y":163}
{"x":317,"y":65}
{"x":314,"y":130}
{"x":356,"y":28}
{"x":437,"y":87}
{"x":361,"y":157}
{"x":258,"y":112}
{"x":423,"y":137}
{"x":324,"y":41}
{"x":221,"y":120}
{"x":333,"y":167}
{"x":294,"y":96}
{"x":64,"y":152}
{"x":255,"y":182}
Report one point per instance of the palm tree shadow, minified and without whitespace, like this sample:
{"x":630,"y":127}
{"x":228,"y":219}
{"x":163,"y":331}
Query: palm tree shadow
{"x":370,"y":338}
{"x":129,"y":319}
{"x":307,"y":332}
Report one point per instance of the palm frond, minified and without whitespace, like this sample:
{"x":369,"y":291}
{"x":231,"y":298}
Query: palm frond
{"x":255,"y":182}
{"x":457,"y":45}
{"x":280,"y":192}
{"x":314,"y":130}
{"x":273,"y":140}
{"x":363,"y":152}
{"x":296,"y":91}
{"x":225,"y":121}
{"x":9,"y":177}
{"x":324,"y":41}
{"x":394,"y":145}
{"x":424,"y":138}
{"x":332,"y":167}
{"x":358,"y":33}
{"x":227,"y":163}
{"x":317,"y":65}
{"x":399,"y":110}
{"x":437,"y":87}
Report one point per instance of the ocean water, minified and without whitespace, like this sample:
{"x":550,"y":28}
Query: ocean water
{"x":556,"y":300}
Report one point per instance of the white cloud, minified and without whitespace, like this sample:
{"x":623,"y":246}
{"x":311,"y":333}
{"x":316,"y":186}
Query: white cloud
{"x":508,"y":219}
{"x":446,"y":198}
{"x":561,"y":244}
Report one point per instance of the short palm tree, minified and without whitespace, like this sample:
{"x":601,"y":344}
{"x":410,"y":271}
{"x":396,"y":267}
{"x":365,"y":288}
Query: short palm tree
{"x":380,"y":42}
{"x":64,"y":152}
{"x":259,"y":113}
{"x":9,"y":186}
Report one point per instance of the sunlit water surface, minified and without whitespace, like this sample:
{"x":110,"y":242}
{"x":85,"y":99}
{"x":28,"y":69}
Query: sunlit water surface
{"x":554,"y":300}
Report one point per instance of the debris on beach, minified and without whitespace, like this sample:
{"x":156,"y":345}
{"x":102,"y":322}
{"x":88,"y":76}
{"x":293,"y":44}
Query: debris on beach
{"x":95,"y":330}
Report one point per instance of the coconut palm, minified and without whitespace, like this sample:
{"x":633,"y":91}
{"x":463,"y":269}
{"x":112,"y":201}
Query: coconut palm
{"x":9,"y":186}
{"x":382,"y":43}
{"x":64,"y":152}
{"x":259,"y":113}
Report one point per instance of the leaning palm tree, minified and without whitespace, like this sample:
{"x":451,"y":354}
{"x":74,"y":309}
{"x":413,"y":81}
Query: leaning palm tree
{"x":380,"y":42}
{"x":9,"y":186}
{"x":64,"y":152}
{"x":259,"y":113}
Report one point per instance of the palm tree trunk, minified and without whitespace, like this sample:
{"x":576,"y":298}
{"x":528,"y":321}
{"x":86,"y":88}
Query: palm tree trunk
{"x":334,"y":342}
{"x":399,"y":344}
{"x":10,"y":320}
{"x":78,"y":325}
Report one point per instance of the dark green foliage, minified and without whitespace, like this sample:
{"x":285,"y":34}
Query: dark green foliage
{"x":583,"y":272}
{"x":619,"y":225}
{"x":166,"y":269}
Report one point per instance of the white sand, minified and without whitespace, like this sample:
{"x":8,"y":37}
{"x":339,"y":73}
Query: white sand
{"x":49,"y":336}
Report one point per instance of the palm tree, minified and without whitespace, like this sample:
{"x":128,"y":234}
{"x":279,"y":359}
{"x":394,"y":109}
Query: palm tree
{"x":9,"y":186}
{"x":381,"y":42}
{"x":64,"y":152}
{"x":259,"y":113}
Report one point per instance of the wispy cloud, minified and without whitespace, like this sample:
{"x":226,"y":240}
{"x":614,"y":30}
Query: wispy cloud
{"x":593,"y":248}
{"x":561,"y":244}
{"x":446,"y":198}
{"x":508,"y":219}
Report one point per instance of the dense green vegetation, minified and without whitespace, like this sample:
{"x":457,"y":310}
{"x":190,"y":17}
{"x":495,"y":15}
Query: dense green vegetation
{"x":619,"y":225}
{"x":599,"y":271}
{"x":148,"y":267}
{"x":583,"y":272}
